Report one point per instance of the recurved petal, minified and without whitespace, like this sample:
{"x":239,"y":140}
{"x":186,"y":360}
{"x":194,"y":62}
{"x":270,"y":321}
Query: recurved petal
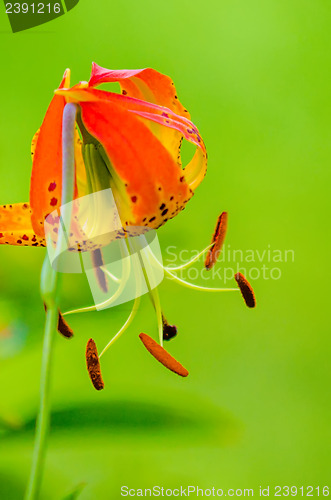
{"x":146,"y":84}
{"x":16,"y":227}
{"x":158,"y":120}
{"x":153,"y":181}
{"x":150,"y":86}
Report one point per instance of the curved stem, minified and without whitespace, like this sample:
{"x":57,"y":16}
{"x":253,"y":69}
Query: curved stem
{"x":49,"y":291}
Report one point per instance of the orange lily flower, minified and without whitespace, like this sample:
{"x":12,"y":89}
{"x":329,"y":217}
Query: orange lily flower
{"x":129,"y":142}
{"x":94,"y":140}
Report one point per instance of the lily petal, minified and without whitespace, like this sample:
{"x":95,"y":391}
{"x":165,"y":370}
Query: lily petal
{"x":156,"y":88}
{"x":107,"y":115}
{"x":16,"y":228}
{"x":46,"y":178}
{"x":153,"y":180}
{"x":146,"y":84}
{"x":162,"y":121}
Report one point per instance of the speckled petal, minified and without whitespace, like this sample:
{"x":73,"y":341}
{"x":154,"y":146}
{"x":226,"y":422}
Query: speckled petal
{"x":153,"y":181}
{"x":16,"y":228}
{"x":46,"y":178}
{"x":149,"y":86}
{"x":174,"y":185}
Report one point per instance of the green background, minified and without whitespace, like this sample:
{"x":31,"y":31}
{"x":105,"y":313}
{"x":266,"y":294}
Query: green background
{"x":255,"y":410}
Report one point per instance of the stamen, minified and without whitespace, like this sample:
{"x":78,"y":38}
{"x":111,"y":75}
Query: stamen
{"x":97,"y":261}
{"x":246,"y":290}
{"x":153,"y":293}
{"x":124,"y":327}
{"x":132,"y":313}
{"x":217,"y":240}
{"x":118,"y":292}
{"x":190,"y":262}
{"x":169,"y":331}
{"x":157,"y":305}
{"x":197,"y":287}
{"x":186,"y":283}
{"x":162,"y":355}
{"x":93,"y":365}
{"x":111,"y":275}
{"x":62,"y":326}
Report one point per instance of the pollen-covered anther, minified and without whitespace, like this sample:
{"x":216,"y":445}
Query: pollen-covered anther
{"x":162,"y":355}
{"x":217,"y":241}
{"x":169,"y":331}
{"x":62,"y":326}
{"x":246,"y":290}
{"x":93,"y":365}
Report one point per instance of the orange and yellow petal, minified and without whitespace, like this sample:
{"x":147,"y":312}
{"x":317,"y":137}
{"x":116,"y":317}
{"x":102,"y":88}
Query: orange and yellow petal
{"x":145,"y":84}
{"x":153,"y":181}
{"x":150,"y":86}
{"x":80,"y":166}
{"x":16,"y":227}
{"x":158,"y":119}
{"x":46,"y":177}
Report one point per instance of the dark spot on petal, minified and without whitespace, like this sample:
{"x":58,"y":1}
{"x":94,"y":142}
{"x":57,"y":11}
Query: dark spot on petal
{"x":164,"y":211}
{"x":151,"y":220}
{"x":133,"y":199}
{"x":162,"y":206}
{"x":181,"y":178}
{"x":53,"y":202}
{"x":171,"y":198}
{"x":19,"y":241}
{"x":25,"y":237}
{"x":52,"y":186}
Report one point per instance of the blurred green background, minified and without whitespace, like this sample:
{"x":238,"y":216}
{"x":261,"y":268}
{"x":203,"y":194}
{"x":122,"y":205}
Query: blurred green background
{"x":255,"y":410}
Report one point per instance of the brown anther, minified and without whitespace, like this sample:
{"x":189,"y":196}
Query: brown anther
{"x":162,"y":355}
{"x":97,"y":261}
{"x":169,"y":331}
{"x":93,"y":365}
{"x":217,"y":241}
{"x":62,"y":326}
{"x":246,"y":290}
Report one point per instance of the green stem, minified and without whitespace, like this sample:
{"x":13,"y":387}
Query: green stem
{"x":49,"y":292}
{"x":44,"y":410}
